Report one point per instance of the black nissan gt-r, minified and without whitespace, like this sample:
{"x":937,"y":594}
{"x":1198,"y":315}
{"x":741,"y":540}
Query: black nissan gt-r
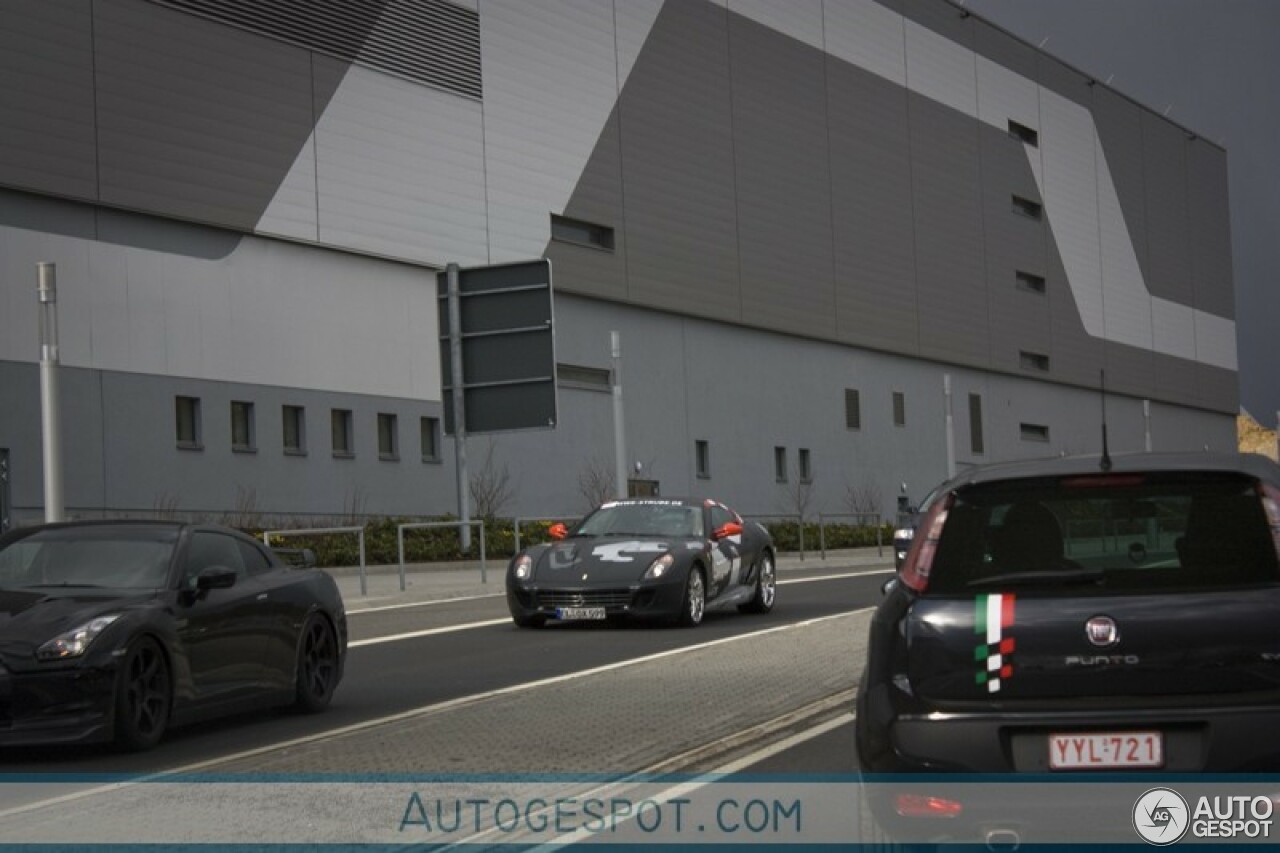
{"x":657,"y":558}
{"x":115,"y":631}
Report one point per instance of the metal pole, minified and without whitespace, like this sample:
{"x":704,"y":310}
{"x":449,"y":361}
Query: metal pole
{"x":1146,"y":423}
{"x":459,"y":409}
{"x":619,"y":434}
{"x":51,"y":432}
{"x":951,"y":428}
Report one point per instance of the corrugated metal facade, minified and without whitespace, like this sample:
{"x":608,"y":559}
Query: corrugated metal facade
{"x":259,"y":193}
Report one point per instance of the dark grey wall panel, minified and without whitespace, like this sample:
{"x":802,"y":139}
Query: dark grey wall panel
{"x":1003,"y":49}
{"x":950,"y":267}
{"x":1020,"y":319}
{"x":1219,"y":389}
{"x":1210,"y":229}
{"x":783,"y":180}
{"x":196,"y":120}
{"x":677,"y":166}
{"x":1130,"y":370}
{"x":1165,"y":178}
{"x":872,"y":223}
{"x":1119,"y":124}
{"x":1054,"y":74}
{"x":46,"y":100}
{"x":1075,"y":356}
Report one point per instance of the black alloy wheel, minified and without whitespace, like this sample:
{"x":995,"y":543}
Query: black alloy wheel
{"x":144,"y":696}
{"x":317,"y":665}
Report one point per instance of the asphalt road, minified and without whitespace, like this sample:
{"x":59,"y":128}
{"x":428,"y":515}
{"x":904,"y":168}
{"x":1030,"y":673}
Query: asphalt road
{"x":406,"y":657}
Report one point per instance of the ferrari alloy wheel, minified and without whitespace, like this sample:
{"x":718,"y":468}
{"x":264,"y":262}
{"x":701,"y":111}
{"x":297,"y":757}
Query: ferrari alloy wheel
{"x":766,"y":587}
{"x":317,"y":665}
{"x":143,"y":696}
{"x":695,"y":599}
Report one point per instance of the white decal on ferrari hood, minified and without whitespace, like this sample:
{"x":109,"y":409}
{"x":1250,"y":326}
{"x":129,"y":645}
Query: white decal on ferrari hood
{"x":617,"y":552}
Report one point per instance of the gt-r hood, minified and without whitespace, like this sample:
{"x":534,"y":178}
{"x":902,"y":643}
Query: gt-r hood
{"x":606,"y":560}
{"x":31,"y":617}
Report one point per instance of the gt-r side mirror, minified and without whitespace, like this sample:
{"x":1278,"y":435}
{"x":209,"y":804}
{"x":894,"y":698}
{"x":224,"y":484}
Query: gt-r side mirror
{"x":724,"y":531}
{"x":215,"y":577}
{"x":558,"y":531}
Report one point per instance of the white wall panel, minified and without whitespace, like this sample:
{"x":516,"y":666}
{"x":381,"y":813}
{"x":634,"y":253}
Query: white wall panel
{"x":634,"y":20}
{"x":550,"y":83}
{"x":401,"y":170}
{"x":868,"y":35}
{"x":1068,"y":188}
{"x":1174,"y":328}
{"x":1215,"y":340}
{"x":270,"y":313}
{"x":292,"y":211}
{"x":1004,"y":95}
{"x":941,"y":70}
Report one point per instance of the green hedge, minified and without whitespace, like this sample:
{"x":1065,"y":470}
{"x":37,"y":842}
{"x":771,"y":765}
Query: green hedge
{"x":438,"y":544}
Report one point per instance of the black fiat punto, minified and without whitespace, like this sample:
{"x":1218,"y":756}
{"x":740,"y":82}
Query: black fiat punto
{"x":1082,"y":614}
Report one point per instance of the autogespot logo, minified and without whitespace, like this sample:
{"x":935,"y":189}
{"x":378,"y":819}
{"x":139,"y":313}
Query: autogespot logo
{"x":1160,"y":816}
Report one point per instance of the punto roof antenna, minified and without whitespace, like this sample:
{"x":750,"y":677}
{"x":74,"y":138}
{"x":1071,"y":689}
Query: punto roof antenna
{"x":1105,"y":462}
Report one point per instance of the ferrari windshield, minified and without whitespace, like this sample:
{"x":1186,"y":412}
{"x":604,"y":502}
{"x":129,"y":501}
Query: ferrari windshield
{"x":647,"y":518}
{"x":126,"y":557}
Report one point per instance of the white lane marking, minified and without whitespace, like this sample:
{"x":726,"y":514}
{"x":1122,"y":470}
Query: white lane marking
{"x":488,"y":623}
{"x":383,"y":607}
{"x":786,"y":743}
{"x":427,"y":632}
{"x":423,"y":710}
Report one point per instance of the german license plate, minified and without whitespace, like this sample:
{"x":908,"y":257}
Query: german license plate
{"x":575,"y":613}
{"x":1104,"y":750}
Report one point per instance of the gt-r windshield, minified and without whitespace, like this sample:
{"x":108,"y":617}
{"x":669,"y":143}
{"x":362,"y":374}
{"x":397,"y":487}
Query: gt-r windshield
{"x":644,"y":519}
{"x":109,"y":557}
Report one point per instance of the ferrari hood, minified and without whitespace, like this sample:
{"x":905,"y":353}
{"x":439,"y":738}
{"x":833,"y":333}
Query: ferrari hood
{"x":605,"y":560}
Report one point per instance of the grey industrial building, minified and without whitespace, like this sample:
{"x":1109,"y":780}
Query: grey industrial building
{"x":806,"y":219}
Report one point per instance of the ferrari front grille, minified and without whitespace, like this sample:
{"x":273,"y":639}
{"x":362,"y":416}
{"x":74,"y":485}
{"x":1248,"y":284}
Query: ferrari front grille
{"x":585,"y":598}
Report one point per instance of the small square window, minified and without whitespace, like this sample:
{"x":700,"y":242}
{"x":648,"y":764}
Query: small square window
{"x":1027,"y":207}
{"x":1033,"y":361}
{"x":187,"y":416}
{"x":1024,"y":134}
{"x":852,"y":409}
{"x":806,"y":472}
{"x":1034,"y":432}
{"x":388,"y":437}
{"x":582,"y":233}
{"x":430,"y":428}
{"x":899,"y":408}
{"x":343,"y":440}
{"x":294,"y":425}
{"x":1029,"y":282}
{"x":975,"y":424}
{"x":780,"y":464}
{"x":242,"y":427}
{"x":702,"y":458}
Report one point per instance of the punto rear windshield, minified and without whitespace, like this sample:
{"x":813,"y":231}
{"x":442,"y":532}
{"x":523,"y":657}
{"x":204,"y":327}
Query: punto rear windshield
{"x":1120,"y":532}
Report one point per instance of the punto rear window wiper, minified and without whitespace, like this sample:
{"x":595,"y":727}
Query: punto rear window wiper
{"x":1041,"y":577}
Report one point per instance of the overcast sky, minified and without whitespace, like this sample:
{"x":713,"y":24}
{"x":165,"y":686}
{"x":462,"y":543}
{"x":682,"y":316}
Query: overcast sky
{"x":1215,"y":65}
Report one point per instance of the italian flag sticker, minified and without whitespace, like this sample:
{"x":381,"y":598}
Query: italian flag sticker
{"x":993,"y":617}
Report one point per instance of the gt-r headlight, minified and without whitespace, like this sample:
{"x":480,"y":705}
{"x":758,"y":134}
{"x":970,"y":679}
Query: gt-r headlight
{"x":522,"y":568}
{"x":75,"y":642}
{"x":659,"y":567}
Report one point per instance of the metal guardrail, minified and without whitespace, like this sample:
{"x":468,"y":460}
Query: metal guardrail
{"x":822,"y":528}
{"x":420,"y":525}
{"x":325,"y":531}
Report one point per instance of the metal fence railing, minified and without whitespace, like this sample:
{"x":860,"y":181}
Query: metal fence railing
{"x":420,"y":525}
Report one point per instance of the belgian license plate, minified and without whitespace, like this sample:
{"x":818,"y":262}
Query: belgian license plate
{"x":574,"y":613}
{"x":1104,"y":750}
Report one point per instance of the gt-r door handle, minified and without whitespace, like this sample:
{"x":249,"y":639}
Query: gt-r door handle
{"x":262,"y":596}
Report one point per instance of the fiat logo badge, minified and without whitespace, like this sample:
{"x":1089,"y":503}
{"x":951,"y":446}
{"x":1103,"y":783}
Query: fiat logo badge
{"x":1102,"y":631}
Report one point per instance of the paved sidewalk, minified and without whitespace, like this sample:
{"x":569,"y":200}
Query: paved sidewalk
{"x":441,"y":581}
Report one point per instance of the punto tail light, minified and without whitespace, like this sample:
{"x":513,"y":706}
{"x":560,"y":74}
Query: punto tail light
{"x":919,"y":562}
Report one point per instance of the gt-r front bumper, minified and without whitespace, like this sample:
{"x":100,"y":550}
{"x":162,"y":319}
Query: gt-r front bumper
{"x":67,"y":705}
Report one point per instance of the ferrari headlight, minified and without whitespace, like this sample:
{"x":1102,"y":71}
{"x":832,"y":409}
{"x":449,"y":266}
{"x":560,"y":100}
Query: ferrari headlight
{"x":904,"y":533}
{"x":659,"y":567}
{"x":75,"y":642}
{"x":522,"y":568}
